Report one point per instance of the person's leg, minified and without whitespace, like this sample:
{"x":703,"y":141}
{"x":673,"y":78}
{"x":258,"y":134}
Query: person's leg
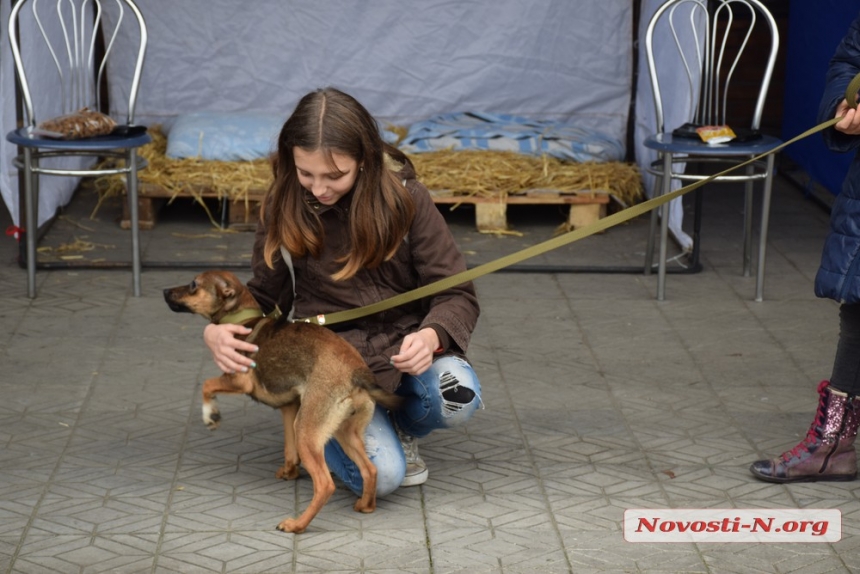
{"x":444,"y":396}
{"x":846,"y":365}
{"x":827,"y":452}
{"x":383,"y":449}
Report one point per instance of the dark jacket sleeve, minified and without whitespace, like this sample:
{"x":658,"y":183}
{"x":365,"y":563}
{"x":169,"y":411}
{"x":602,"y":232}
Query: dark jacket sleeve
{"x":844,"y":65}
{"x":436,"y":256}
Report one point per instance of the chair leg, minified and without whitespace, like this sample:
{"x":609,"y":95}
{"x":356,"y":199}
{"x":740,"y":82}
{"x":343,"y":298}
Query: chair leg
{"x":697,"y":228}
{"x":765,"y":221}
{"x":135,"y":228}
{"x":649,"y":246}
{"x":748,"y":215}
{"x":664,"y":228}
{"x":31,"y":232}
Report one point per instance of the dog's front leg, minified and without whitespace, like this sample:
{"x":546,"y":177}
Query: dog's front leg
{"x":290,"y":470}
{"x":231,"y":384}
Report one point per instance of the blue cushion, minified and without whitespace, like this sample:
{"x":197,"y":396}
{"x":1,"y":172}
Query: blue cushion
{"x":232,"y":136}
{"x":224,"y":136}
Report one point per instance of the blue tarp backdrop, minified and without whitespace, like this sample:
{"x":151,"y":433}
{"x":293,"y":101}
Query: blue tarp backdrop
{"x":815,"y":29}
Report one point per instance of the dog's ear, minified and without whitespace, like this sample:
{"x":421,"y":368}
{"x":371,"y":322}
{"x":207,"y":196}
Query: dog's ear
{"x":226,"y":289}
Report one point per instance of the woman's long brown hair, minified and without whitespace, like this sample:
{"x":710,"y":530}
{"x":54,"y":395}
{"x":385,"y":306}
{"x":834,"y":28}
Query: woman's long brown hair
{"x":381,"y":209}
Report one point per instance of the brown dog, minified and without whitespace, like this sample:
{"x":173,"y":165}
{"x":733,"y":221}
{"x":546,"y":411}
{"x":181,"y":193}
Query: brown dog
{"x":319,"y":382}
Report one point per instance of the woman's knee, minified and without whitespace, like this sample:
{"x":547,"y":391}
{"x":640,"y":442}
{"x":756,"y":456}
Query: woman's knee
{"x":459,"y":388}
{"x":390,"y":471}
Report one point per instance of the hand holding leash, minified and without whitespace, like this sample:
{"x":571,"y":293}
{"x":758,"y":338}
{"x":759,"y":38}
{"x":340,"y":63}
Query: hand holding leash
{"x":850,"y":122}
{"x":846,"y":111}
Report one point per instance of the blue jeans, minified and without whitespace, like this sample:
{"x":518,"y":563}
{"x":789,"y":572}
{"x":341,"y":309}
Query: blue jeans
{"x":424,"y":409}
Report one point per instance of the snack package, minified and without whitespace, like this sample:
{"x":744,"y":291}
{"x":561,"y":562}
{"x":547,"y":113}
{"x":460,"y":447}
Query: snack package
{"x":84,"y":123}
{"x":713,"y":135}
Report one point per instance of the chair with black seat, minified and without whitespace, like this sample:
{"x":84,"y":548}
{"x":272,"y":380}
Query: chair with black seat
{"x":715,"y":40}
{"x":75,"y":39}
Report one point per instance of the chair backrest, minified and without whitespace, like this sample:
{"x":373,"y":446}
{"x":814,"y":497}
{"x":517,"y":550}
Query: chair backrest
{"x":722,"y":54}
{"x":67,"y":45}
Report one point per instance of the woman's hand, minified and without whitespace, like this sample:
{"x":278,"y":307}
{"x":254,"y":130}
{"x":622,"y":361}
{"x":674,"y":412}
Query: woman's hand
{"x":850,"y":124}
{"x":416,"y":352}
{"x":225,"y":347}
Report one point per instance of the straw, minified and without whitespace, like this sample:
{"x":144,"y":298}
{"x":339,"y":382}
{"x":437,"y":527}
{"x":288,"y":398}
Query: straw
{"x":483,"y":173}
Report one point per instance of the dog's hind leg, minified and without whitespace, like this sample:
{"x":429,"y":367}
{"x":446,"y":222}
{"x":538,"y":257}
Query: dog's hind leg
{"x":351,"y":438}
{"x":314,"y":461}
{"x":315,"y":424}
{"x":290,"y":470}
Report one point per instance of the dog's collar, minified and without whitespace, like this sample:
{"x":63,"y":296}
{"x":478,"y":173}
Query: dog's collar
{"x":240,"y":317}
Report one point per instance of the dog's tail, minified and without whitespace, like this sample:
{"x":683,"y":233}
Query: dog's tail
{"x":388,"y":400}
{"x":380,"y":396}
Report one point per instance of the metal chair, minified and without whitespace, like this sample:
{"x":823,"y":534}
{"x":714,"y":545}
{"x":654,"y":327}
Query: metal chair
{"x":713,"y":40}
{"x":77,"y":37}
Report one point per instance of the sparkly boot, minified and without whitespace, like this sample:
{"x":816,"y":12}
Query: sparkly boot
{"x":827,"y":452}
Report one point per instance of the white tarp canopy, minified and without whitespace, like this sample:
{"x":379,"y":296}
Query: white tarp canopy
{"x":404,"y":60}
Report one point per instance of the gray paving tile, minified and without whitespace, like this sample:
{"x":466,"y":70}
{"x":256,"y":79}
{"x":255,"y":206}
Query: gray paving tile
{"x":772,"y":558}
{"x":598,"y":399}
{"x":609,"y":553}
{"x":220,"y":552}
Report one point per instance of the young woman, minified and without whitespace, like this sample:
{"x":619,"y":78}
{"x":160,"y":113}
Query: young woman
{"x":346,"y":224}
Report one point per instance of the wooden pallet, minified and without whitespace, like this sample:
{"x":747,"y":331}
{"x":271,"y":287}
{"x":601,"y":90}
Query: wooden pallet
{"x":241,"y":214}
{"x":490,"y":212}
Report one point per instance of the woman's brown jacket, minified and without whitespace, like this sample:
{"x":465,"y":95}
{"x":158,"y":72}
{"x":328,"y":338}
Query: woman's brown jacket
{"x":427,"y":254}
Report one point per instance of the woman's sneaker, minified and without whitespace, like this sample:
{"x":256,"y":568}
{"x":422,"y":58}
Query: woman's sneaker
{"x":416,"y":470}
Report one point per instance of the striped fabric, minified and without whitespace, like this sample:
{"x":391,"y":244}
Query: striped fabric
{"x":460,"y":131}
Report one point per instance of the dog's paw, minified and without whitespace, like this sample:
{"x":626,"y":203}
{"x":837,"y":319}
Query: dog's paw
{"x":288,"y":472}
{"x":291,"y":525}
{"x":211,"y":416}
{"x":213,"y":422}
{"x":366,"y":508}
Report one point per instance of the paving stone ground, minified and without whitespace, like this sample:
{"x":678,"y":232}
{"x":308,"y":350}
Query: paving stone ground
{"x":598,"y":399}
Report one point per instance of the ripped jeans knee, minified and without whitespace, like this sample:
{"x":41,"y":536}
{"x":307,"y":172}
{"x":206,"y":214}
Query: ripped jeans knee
{"x":444,"y":396}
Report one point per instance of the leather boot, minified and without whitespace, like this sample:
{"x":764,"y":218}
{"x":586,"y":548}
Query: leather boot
{"x":827,"y":452}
